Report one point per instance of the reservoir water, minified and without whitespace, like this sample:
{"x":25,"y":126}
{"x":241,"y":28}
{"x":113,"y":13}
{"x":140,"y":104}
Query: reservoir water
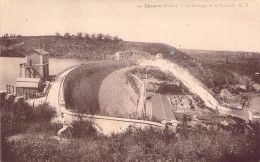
{"x":9,"y":67}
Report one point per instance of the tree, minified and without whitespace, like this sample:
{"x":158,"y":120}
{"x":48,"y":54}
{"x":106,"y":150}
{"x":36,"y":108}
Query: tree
{"x":6,"y":40}
{"x":93,"y":36}
{"x":100,"y":36}
{"x":57,"y":34}
{"x":87,"y":35}
{"x":67,"y":35}
{"x":79,"y":34}
{"x":107,"y":37}
{"x":5,"y":35}
{"x":116,"y":39}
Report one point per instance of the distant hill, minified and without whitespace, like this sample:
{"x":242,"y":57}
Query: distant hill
{"x":76,"y":47}
{"x":224,"y":65}
{"x":213,"y":68}
{"x":211,"y":55}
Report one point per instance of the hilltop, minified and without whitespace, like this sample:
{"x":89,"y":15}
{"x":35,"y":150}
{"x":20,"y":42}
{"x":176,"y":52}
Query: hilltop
{"x":77,"y":47}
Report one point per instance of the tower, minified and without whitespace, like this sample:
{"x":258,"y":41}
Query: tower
{"x":36,"y":66}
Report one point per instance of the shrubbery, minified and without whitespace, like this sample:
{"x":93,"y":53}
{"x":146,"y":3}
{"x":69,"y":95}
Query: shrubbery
{"x":150,"y":144}
{"x":83,"y":129}
{"x":239,"y":141}
{"x":17,"y":118}
{"x":166,"y":88}
{"x":20,"y":117}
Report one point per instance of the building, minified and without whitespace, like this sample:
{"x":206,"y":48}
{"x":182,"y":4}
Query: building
{"x":36,"y":66}
{"x":29,"y":86}
{"x":33,"y":73}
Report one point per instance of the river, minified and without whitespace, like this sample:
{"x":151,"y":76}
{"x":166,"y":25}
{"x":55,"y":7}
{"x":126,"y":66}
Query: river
{"x":9,"y":67}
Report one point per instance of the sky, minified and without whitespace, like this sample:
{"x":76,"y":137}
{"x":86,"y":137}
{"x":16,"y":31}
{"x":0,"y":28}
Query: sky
{"x":212,"y":28}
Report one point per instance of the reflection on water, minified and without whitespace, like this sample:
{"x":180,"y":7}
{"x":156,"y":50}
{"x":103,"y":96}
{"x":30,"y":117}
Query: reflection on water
{"x":9,"y":67}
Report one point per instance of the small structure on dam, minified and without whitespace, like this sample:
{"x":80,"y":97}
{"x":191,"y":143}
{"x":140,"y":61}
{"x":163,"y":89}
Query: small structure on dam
{"x":34,"y":73}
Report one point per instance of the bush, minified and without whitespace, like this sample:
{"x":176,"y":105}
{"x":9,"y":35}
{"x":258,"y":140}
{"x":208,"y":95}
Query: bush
{"x":18,"y":118}
{"x":150,"y":144}
{"x":83,"y":129}
{"x":33,"y":148}
{"x":21,"y":118}
{"x":166,"y":88}
{"x":13,"y":118}
{"x":42,"y":113}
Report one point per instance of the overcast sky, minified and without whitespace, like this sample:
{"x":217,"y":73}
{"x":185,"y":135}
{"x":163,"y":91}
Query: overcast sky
{"x":217,"y":28}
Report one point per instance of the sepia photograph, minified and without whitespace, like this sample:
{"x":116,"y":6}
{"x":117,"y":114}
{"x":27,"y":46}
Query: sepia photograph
{"x":137,"y":80}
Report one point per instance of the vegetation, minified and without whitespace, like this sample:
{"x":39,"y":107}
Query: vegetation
{"x":18,"y":117}
{"x":167,"y":88}
{"x":213,"y":144}
{"x":217,"y":68}
{"x":22,"y":119}
{"x":96,"y":46}
{"x":81,"y":94}
{"x":237,"y":141}
{"x":83,"y":129}
{"x":153,"y":72}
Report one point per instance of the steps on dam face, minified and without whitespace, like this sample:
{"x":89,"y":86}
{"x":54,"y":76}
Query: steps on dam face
{"x":161,"y":108}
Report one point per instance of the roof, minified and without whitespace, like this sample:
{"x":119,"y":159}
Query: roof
{"x":28,"y":80}
{"x":40,"y":51}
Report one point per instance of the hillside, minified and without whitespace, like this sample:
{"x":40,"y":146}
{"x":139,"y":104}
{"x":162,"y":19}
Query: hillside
{"x":76,"y":47}
{"x":245,"y":64}
{"x":213,"y":68}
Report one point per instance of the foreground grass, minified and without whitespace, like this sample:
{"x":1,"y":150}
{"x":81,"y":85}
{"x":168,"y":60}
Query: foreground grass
{"x":201,"y":144}
{"x":236,"y":142}
{"x":81,"y":87}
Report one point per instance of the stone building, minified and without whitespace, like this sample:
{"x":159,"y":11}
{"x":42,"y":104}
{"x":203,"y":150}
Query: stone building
{"x":34,"y":72}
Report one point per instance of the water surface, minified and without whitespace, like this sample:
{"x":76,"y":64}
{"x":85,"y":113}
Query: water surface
{"x":9,"y":67}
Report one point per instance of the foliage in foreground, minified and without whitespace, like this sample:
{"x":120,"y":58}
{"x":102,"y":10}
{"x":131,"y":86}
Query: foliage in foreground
{"x":235,"y":142}
{"x":21,"y":118}
{"x":200,"y":144}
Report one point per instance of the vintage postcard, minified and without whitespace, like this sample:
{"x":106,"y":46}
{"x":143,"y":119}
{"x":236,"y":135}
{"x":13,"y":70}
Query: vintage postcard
{"x":137,"y":80}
